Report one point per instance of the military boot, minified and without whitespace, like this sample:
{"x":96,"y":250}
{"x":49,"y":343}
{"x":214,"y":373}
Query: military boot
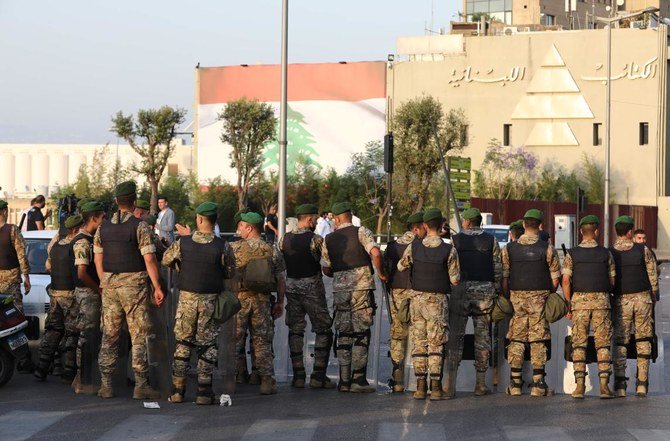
{"x":241,"y":375}
{"x":620,"y":386}
{"x":480,"y":384}
{"x":268,"y":385}
{"x":80,"y":388}
{"x":205,"y":394}
{"x":605,"y":392}
{"x":69,"y":372}
{"x":178,"y":389}
{"x":41,"y":371}
{"x":142,"y":389}
{"x":580,"y":387}
{"x":57,"y":367}
{"x":255,"y":378}
{"x":360,"y":385}
{"x":539,"y":387}
{"x":421,"y":388}
{"x":106,"y":390}
{"x":319,"y":380}
{"x":398,"y":379}
{"x":299,"y":379}
{"x":345,"y":379}
{"x":641,"y":388}
{"x":436,"y":393}
{"x":515,"y":383}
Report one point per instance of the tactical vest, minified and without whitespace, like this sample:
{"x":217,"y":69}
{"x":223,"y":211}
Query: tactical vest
{"x":345,"y":250}
{"x":475,"y":254}
{"x":529,"y":270}
{"x":8,"y":258}
{"x":255,"y":268}
{"x":298,"y":257}
{"x":121,"y":250}
{"x":393,"y":254}
{"x":201,"y":270}
{"x":429,"y":268}
{"x":90,"y":268}
{"x":62,"y":267}
{"x":631,"y":270}
{"x":590,"y":270}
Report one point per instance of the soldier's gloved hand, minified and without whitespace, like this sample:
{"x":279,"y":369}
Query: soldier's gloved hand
{"x":158,"y":296}
{"x":277,"y":311}
{"x":26,"y":284}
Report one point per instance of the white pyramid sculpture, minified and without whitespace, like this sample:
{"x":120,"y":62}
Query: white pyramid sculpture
{"x":552,"y":94}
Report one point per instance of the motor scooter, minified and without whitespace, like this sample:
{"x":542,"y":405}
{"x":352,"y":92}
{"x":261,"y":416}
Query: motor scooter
{"x":13,"y":340}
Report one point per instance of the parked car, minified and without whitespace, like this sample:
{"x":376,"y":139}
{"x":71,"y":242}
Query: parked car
{"x":501,"y":232}
{"x":36,"y":303}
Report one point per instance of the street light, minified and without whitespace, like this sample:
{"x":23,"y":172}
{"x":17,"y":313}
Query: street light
{"x":282,"y":120}
{"x":608,"y":100}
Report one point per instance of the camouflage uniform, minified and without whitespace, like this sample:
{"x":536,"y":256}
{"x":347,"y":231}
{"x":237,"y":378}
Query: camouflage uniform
{"x":10,"y":280}
{"x":353,"y":304}
{"x":635,"y":310}
{"x":125,"y":297}
{"x":256,"y":312}
{"x":399,"y":331}
{"x":60,"y":329}
{"x":528,"y":324}
{"x":194,"y":326}
{"x":307,"y":295}
{"x":590,"y":308}
{"x":429,"y":312}
{"x":89,"y":305}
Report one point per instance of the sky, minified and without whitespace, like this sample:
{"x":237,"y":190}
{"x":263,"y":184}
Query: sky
{"x":68,"y":66}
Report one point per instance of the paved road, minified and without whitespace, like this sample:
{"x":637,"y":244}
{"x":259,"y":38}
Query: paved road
{"x":49,"y":411}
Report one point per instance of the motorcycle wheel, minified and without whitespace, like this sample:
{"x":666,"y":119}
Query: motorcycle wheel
{"x":6,"y":367}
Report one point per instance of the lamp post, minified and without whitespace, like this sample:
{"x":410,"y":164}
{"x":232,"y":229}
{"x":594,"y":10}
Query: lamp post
{"x":608,"y":112}
{"x":282,"y":120}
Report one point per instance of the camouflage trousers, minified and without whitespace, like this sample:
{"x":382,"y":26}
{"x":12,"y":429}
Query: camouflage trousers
{"x":399,"y":331}
{"x":60,"y":331}
{"x":88,"y":325}
{"x":633,"y":311}
{"x":528,"y":325}
{"x":478,"y":304}
{"x":195,"y":328}
{"x":311,"y":302}
{"x":430,"y":332}
{"x":600,"y":320}
{"x":256,"y":317}
{"x":129,"y":303}
{"x":353,"y":319}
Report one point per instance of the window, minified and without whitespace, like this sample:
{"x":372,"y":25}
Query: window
{"x":464,"y":135}
{"x":507,"y":131}
{"x":596,"y":134}
{"x":549,"y":20}
{"x":644,"y":133}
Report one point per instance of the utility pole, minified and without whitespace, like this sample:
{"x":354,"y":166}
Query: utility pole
{"x":282,"y":120}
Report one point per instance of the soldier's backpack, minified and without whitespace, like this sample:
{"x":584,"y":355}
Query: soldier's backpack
{"x":555,"y":308}
{"x":257,"y":275}
{"x":403,"y":312}
{"x":502,"y":309}
{"x":226,"y":306}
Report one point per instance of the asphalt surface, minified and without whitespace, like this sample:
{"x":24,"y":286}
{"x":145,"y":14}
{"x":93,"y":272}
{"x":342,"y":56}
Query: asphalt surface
{"x":50,"y":411}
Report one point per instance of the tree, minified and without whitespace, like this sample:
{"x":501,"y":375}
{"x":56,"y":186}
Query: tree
{"x":506,"y":173}
{"x":152,"y":138}
{"x":366,"y":169}
{"x":417,"y":157}
{"x":247,"y":126}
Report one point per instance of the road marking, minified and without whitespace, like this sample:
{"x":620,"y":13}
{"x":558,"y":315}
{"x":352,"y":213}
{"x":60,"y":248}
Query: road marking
{"x":411,"y":431}
{"x":146,"y":427}
{"x":532,"y":433}
{"x":281,"y":430}
{"x":19,"y":425}
{"x":650,"y":435}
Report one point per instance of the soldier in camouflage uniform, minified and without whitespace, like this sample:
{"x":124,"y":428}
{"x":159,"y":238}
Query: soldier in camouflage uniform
{"x":588,"y":278}
{"x":401,"y":290}
{"x":349,"y":256}
{"x":155,"y":239}
{"x":124,"y":257}
{"x":306,"y":295}
{"x":531,"y":270}
{"x":635,"y":291}
{"x":141,"y":210}
{"x":516,"y":230}
{"x":200,"y":260}
{"x":87,"y":296}
{"x":60,"y":323}
{"x":479,"y":255}
{"x":434,"y":269}
{"x":261,"y":269}
{"x":13,"y":265}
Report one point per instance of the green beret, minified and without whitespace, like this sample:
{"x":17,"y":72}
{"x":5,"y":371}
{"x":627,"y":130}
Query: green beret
{"x":252,"y":218}
{"x":341,"y":207}
{"x":238,"y":216}
{"x":3,"y":204}
{"x":74,"y":221}
{"x":91,"y":206}
{"x":534,"y":213}
{"x":151,"y":220}
{"x":207,"y":208}
{"x":415,"y":218}
{"x":471,"y":213}
{"x":144,"y":205}
{"x":627,"y":220}
{"x":307,"y":209}
{"x":517,"y":224}
{"x":125,"y":188}
{"x":589,"y":219}
{"x":83,"y":201}
{"x":432,"y":214}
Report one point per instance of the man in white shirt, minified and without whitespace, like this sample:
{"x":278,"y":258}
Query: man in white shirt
{"x":323,"y":227}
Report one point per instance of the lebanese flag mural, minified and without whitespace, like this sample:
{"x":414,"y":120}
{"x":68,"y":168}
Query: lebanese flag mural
{"x":334,"y":109}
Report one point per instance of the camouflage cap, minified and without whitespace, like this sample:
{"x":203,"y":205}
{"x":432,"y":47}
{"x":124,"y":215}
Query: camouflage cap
{"x":92,"y":206}
{"x":432,"y":214}
{"x":83,"y":201}
{"x":306,"y":209}
{"x":534,"y":213}
{"x":238,"y":216}
{"x":589,"y":219}
{"x":471,"y":213}
{"x":125,"y":188}
{"x":252,"y":218}
{"x":341,"y":207}
{"x":3,"y":204}
{"x":517,"y":224}
{"x":74,"y":221}
{"x":144,"y":205}
{"x":207,"y":208}
{"x":626,"y":220}
{"x":415,"y":218}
